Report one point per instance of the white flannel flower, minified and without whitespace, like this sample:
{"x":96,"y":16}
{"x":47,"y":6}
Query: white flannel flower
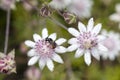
{"x":81,"y":8}
{"x":112,"y":43}
{"x":6,"y":4}
{"x":87,"y":41}
{"x":45,"y":49}
{"x":59,"y":4}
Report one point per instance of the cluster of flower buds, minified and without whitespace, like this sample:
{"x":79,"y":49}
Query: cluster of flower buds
{"x":7,"y":63}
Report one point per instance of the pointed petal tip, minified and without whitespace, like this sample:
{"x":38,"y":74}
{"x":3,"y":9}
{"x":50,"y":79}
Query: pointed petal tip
{"x":88,"y":64}
{"x":50,"y":65}
{"x":44,"y":33}
{"x":57,"y":58}
{"x":53,"y":36}
{"x":91,"y":18}
{"x":87,"y":58}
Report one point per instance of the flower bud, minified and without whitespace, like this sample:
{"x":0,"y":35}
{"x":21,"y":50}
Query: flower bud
{"x":69,"y":18}
{"x":45,"y":11}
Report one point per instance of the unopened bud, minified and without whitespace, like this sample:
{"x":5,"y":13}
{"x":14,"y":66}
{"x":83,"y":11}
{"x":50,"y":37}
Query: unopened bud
{"x":69,"y":18}
{"x":45,"y":11}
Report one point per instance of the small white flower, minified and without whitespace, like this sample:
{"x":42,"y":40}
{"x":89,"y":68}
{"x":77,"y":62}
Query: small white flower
{"x":6,"y":4}
{"x":112,"y":43}
{"x":81,"y":8}
{"x":59,"y":4}
{"x":45,"y":49}
{"x":86,"y":41}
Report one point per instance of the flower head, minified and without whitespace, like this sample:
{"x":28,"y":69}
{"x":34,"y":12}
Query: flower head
{"x":87,"y":41}
{"x":80,"y":8}
{"x":45,"y":49}
{"x":6,"y":4}
{"x":33,"y":73}
{"x":112,"y":43}
{"x":7,"y":63}
{"x":59,"y":4}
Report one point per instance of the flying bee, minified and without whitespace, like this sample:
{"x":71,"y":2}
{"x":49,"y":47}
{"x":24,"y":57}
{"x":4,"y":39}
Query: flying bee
{"x":52,"y":43}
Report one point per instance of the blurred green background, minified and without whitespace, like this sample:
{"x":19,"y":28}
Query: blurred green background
{"x":25,"y":23}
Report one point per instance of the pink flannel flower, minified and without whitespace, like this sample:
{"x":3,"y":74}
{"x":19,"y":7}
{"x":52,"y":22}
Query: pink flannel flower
{"x":45,"y":49}
{"x":112,"y":42}
{"x":7,"y":63}
{"x":86,"y":41}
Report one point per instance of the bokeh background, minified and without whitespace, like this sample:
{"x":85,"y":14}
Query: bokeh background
{"x":24,"y":24}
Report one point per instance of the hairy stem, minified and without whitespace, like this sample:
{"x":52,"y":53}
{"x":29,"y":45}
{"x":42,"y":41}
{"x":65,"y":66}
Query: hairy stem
{"x":58,"y":23}
{"x":68,"y":68}
{"x":7,"y":31}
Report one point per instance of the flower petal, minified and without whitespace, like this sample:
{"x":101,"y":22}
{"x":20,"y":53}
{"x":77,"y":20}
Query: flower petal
{"x":12,"y":54}
{"x":72,"y":47}
{"x":79,"y":53}
{"x":95,"y":54}
{"x":30,"y":43}
{"x":42,"y":64}
{"x":2,"y":55}
{"x":33,"y":60}
{"x":112,"y":57}
{"x":97,"y":29}
{"x":87,"y":58}
{"x":57,"y":58}
{"x":102,"y":48}
{"x":81,"y":27}
{"x":53,"y":36}
{"x":73,"y":31}
{"x":90,"y":24}
{"x":72,"y":41}
{"x":60,"y":49}
{"x":101,"y":38}
{"x":36,"y":37}
{"x":44,"y":33}
{"x":31,"y":53}
{"x":60,"y":41}
{"x":50,"y":64}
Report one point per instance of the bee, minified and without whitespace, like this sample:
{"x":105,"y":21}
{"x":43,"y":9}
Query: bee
{"x":52,"y":43}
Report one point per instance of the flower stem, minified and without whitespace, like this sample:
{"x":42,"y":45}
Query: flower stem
{"x":58,"y":23}
{"x":7,"y":31}
{"x":69,"y":73}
